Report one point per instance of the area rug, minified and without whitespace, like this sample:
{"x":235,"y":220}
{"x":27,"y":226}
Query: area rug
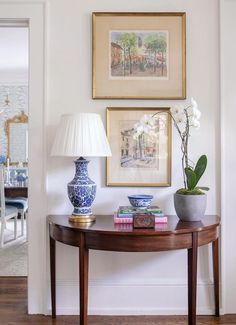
{"x":13,"y":255}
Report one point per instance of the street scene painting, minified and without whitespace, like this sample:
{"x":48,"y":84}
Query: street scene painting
{"x":138,"y":54}
{"x":137,"y":150}
{"x":140,"y":141}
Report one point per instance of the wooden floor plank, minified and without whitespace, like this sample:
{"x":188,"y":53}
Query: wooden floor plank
{"x":13,"y":311}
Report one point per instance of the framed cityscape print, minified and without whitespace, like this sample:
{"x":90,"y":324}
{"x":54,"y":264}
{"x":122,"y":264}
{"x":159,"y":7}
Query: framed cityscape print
{"x":140,"y":140}
{"x":139,"y":55}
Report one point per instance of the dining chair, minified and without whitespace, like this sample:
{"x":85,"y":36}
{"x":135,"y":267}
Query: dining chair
{"x":21,"y":203}
{"x":6,"y":212}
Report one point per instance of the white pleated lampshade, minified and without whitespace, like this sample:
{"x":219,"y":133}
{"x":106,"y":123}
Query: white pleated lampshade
{"x":80,"y":135}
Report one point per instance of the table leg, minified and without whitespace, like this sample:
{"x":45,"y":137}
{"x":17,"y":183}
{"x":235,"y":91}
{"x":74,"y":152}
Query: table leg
{"x":192,"y":279}
{"x":83,"y":272}
{"x":53,"y":275}
{"x":215,"y":256}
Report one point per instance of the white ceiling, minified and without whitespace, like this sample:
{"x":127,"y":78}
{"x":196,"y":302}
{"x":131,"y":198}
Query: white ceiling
{"x":13,"y":48}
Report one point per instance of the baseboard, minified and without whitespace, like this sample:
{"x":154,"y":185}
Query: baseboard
{"x":131,"y":311}
{"x":137,"y":282}
{"x":138,"y":297}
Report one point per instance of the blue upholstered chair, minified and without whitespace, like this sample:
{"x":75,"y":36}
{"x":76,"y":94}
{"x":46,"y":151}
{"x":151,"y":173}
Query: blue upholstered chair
{"x":21,"y":203}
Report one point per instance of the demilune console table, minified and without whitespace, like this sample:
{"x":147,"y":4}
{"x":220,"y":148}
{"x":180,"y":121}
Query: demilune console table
{"x":104,"y":235}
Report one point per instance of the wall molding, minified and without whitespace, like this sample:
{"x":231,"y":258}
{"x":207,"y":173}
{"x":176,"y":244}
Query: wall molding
{"x":132,"y":311}
{"x":138,"y":282}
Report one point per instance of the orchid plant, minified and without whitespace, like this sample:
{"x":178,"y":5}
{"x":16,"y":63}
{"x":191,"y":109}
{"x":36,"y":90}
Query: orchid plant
{"x":184,"y":119}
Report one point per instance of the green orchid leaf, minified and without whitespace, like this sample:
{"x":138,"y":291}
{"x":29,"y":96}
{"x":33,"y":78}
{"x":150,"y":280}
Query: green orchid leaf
{"x":191,"y":178}
{"x":200,"y":167}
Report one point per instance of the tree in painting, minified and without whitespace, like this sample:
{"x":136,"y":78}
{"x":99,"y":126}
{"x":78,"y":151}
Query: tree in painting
{"x":155,"y":44}
{"x":138,"y":53}
{"x":129,"y":43}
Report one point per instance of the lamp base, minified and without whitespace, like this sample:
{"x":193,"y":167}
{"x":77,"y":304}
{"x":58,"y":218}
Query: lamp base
{"x":81,"y":191}
{"x":82,"y":219}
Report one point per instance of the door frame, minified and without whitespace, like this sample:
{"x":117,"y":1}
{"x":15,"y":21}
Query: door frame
{"x":35,"y":13}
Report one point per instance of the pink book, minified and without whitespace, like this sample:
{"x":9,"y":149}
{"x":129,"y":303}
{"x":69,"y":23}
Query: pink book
{"x":129,"y":226}
{"x":130,"y":220}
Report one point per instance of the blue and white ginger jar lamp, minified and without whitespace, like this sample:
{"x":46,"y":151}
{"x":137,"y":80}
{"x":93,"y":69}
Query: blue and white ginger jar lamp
{"x":81,"y":135}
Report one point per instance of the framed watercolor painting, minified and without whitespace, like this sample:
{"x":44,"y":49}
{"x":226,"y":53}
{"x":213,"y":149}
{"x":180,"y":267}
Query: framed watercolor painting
{"x":139,"y":55}
{"x":139,"y":158}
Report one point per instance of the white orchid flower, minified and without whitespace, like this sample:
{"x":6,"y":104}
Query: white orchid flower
{"x":153,"y":134}
{"x":148,"y":120}
{"x":140,"y":128}
{"x":147,"y":129}
{"x":181,"y":122}
{"x":197,"y":114}
{"x":177,"y":110}
{"x":180,"y":118}
{"x":161,"y":122}
{"x":194,"y":103}
{"x":193,"y":110}
{"x":195,"y":123}
{"x":146,"y":124}
{"x":136,"y":125}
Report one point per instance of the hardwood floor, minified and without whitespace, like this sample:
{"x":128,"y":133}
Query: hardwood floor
{"x":13,"y":311}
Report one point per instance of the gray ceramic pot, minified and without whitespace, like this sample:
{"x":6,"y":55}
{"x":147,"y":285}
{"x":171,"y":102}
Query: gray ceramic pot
{"x":190,"y":207}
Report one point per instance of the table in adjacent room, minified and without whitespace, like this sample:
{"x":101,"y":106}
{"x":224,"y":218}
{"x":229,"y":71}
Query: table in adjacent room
{"x":16,"y":191}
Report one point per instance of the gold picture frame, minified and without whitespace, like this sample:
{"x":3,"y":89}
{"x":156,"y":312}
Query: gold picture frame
{"x":15,"y":121}
{"x":139,"y":55}
{"x":138,"y":160}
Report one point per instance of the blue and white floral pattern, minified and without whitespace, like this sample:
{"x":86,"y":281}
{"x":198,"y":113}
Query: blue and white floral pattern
{"x":140,"y":201}
{"x":82,"y":189}
{"x":2,"y":159}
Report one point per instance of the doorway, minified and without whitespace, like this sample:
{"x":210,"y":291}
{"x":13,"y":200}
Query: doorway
{"x":14,"y":85}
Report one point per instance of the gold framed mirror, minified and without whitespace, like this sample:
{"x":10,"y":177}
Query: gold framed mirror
{"x":16,"y":129}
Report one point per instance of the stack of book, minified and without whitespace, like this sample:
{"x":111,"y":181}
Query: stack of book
{"x":125,"y":214}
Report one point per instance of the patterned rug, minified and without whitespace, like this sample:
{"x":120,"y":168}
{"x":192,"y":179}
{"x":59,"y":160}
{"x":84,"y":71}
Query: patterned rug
{"x":13,"y":255}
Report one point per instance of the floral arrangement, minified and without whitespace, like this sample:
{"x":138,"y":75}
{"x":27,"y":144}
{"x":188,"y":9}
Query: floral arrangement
{"x":184,"y":119}
{"x":2,"y":159}
{"x":21,"y":177}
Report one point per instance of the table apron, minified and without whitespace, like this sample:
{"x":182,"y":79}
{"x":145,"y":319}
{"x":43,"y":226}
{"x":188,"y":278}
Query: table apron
{"x":65,"y":236}
{"x":208,"y":236}
{"x":130,"y":243}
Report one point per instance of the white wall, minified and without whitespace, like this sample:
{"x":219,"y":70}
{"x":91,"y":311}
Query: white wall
{"x":125,"y":283}
{"x":228,"y":154}
{"x":14,"y":55}
{"x":18,"y":96}
{"x":14,"y":76}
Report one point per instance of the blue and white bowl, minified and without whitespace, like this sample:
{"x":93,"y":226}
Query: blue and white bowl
{"x":141,"y":201}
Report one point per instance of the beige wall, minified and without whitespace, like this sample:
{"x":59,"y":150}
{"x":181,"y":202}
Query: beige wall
{"x":147,"y":283}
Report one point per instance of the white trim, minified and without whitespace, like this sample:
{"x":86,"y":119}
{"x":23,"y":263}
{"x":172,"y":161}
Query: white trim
{"x":35,"y":12}
{"x":46,"y":98}
{"x":222,"y":175}
{"x":14,"y":23}
{"x":141,"y":282}
{"x":132,"y":311}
